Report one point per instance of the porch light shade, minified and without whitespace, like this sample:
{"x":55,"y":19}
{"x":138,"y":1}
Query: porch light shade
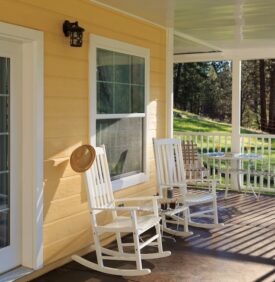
{"x":75,"y":32}
{"x":82,"y":158}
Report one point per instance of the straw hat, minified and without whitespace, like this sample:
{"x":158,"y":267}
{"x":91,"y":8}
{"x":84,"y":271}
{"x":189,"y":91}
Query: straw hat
{"x":82,"y":158}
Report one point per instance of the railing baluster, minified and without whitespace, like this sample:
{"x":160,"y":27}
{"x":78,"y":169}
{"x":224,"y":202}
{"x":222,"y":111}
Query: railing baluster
{"x":225,"y":141}
{"x":255,"y":162}
{"x":249,"y":151}
{"x":262,"y":161}
{"x":241,"y":162}
{"x":269,"y":159}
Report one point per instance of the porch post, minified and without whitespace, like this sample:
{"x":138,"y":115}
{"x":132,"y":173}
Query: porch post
{"x":236,"y":105}
{"x":236,"y":117}
{"x":169,"y":81}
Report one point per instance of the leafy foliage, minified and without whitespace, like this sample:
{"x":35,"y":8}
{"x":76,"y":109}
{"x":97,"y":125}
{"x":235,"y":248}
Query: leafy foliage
{"x":205,"y":89}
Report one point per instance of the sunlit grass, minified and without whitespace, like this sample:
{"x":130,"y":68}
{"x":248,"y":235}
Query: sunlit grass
{"x":188,"y":122}
{"x":194,"y":123}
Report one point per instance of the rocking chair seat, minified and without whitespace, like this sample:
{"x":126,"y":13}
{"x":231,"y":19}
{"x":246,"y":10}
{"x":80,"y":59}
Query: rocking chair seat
{"x":191,"y":198}
{"x":124,"y":224}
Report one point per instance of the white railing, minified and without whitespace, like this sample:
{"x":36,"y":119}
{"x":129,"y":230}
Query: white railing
{"x":260,"y":174}
{"x":262,"y":144}
{"x":207,"y":142}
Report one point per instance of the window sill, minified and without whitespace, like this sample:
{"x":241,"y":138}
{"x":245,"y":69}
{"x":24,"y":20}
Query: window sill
{"x":129,"y":181}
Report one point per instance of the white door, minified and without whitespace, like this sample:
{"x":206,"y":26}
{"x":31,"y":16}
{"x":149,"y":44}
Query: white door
{"x":10,"y":155}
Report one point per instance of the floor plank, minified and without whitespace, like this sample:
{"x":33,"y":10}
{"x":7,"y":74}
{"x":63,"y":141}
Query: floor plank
{"x":243,"y":250}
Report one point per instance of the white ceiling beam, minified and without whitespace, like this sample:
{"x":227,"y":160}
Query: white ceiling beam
{"x":200,"y":57}
{"x":240,"y":53}
{"x":196,"y":40}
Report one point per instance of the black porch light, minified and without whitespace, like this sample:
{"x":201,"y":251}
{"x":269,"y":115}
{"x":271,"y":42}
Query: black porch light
{"x":75,"y":32}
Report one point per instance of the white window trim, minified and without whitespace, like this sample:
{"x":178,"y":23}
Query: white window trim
{"x":126,"y":48}
{"x":32,"y":140}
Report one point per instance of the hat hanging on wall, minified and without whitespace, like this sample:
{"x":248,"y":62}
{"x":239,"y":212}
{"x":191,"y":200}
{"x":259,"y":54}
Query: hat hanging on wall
{"x":82,"y":158}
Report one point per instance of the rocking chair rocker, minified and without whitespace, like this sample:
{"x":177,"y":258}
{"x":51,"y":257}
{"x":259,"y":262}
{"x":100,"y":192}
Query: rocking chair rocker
{"x":101,"y":199}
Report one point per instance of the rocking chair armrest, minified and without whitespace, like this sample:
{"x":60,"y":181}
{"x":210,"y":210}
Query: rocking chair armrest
{"x":123,"y":209}
{"x":212,"y":182}
{"x":173,"y":185}
{"x":197,"y":169}
{"x":146,"y":198}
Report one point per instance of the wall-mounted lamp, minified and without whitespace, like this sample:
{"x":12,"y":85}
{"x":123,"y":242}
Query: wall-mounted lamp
{"x":75,"y":32}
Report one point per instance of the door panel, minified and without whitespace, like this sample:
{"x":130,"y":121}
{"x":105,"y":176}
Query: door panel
{"x":10,"y":157}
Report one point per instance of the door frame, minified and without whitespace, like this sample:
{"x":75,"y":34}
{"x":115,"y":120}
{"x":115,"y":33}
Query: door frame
{"x":32,"y":139}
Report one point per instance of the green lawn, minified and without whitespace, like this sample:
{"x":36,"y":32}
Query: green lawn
{"x":194,"y":123}
{"x":188,"y":122}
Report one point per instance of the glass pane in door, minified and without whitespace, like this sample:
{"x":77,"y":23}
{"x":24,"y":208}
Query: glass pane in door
{"x":4,"y":152}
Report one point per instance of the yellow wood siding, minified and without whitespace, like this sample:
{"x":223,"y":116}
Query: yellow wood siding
{"x":66,"y":219}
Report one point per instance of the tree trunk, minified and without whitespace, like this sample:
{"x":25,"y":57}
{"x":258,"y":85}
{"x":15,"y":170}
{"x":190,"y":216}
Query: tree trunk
{"x":262,"y":95}
{"x":177,"y":82}
{"x":271,"y":125}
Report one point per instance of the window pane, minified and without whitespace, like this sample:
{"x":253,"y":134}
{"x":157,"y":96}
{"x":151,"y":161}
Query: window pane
{"x":122,"y":68}
{"x":4,"y":152}
{"x":122,"y":99}
{"x":138,"y":99}
{"x":120,"y":83}
{"x":123,"y":139}
{"x":4,"y":227}
{"x":4,"y":75}
{"x":4,"y":113}
{"x":105,"y":65}
{"x":138,"y":70}
{"x":104,"y":98}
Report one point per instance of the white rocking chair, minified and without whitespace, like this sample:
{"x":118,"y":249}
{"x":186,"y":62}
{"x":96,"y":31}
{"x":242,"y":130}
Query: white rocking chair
{"x":194,"y":168}
{"x":101,"y":199}
{"x":171,"y":174}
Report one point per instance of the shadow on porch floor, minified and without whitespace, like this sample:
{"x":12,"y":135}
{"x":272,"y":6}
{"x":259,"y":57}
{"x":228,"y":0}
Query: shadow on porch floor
{"x":242,"y":250}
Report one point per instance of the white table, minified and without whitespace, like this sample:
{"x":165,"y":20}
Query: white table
{"x":232,"y":166}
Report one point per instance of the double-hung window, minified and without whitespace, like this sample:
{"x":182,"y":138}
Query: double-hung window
{"x":119,"y":92}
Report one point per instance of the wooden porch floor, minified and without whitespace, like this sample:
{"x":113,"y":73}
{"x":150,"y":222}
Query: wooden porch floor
{"x":242,"y":250}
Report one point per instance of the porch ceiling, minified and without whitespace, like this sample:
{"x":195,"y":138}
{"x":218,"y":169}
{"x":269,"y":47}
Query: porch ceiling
{"x":212,"y":25}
